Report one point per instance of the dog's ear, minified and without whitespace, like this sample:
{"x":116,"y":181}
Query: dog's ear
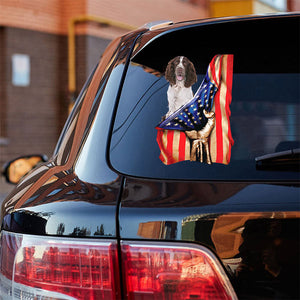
{"x":191,"y":75}
{"x":170,"y":72}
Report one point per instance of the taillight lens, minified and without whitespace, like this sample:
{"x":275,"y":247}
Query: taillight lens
{"x":58,"y":268}
{"x":173,"y":271}
{"x":35,"y":267}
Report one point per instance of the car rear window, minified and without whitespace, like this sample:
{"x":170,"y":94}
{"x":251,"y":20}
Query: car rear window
{"x":245,"y":104}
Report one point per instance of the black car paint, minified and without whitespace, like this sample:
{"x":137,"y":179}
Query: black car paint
{"x":70,"y":203}
{"x":187,"y":212}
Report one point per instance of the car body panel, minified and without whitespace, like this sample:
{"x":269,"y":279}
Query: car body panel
{"x":249,"y":226}
{"x":67,"y":206}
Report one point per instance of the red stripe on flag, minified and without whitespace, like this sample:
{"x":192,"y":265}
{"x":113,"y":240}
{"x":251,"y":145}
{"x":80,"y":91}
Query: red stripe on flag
{"x":182,"y":140}
{"x":229,"y":76}
{"x":172,"y":145}
{"x":219,"y":130}
{"x":159,"y":137}
{"x":170,"y":136}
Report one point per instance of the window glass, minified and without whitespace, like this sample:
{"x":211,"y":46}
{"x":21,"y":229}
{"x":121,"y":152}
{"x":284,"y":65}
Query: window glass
{"x":91,"y":165}
{"x":259,"y":115}
{"x":63,"y":147}
{"x":72,"y":118}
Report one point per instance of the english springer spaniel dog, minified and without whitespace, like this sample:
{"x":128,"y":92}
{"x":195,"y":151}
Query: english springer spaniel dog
{"x":181,"y":75}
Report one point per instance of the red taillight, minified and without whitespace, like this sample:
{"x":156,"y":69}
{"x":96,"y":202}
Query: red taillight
{"x":34,"y":267}
{"x":10,"y":244}
{"x":81,"y":269}
{"x":173,"y":271}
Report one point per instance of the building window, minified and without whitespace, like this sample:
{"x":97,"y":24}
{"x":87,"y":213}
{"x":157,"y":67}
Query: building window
{"x":20,"y":70}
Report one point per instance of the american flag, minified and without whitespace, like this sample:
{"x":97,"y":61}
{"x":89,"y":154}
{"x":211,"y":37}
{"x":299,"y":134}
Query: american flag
{"x":214,"y":94}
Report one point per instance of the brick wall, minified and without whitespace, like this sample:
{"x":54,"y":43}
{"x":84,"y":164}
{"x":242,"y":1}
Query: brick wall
{"x":2,"y":91}
{"x":34,"y":14}
{"x":138,"y":12}
{"x":294,"y":5}
{"x":32,"y":112}
{"x":32,"y":116}
{"x":52,"y":16}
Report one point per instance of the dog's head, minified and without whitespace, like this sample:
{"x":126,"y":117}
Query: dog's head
{"x":181,"y":69}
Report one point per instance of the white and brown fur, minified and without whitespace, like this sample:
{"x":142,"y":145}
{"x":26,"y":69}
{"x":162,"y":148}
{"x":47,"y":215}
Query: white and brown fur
{"x":181,"y":75}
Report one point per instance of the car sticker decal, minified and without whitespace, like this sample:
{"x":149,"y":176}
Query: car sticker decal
{"x":200,"y":129}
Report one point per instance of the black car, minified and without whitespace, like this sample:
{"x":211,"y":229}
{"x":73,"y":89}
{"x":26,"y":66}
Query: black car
{"x":163,"y":189}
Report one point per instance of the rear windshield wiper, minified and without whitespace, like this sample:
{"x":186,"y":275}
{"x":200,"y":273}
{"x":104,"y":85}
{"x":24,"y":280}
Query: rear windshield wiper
{"x":287,"y":160}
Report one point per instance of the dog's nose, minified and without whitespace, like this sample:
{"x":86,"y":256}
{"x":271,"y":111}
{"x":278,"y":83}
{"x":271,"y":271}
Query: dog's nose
{"x":179,"y":69}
